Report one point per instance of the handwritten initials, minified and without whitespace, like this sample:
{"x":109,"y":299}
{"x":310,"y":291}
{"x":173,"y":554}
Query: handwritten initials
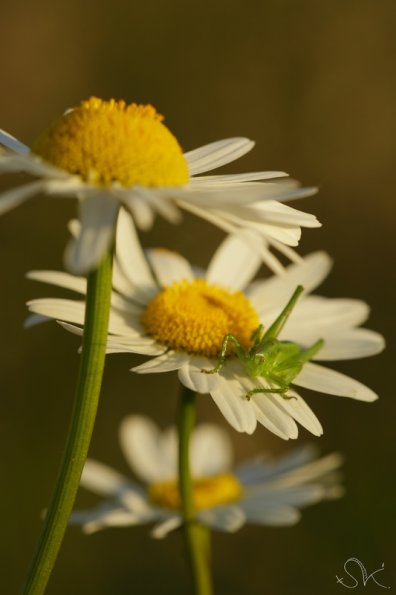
{"x":365,"y":577}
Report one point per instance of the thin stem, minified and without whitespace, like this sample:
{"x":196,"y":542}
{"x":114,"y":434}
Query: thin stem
{"x":83,"y":418}
{"x":197,"y":536}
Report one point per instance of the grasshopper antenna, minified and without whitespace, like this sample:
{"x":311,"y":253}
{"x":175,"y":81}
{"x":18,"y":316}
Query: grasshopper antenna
{"x":280,"y":322}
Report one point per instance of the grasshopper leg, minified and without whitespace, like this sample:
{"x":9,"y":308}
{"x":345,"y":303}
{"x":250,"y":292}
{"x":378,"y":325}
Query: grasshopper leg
{"x":239,"y":349}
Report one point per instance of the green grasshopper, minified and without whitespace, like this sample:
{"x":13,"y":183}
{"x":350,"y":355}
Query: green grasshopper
{"x":279,"y":362}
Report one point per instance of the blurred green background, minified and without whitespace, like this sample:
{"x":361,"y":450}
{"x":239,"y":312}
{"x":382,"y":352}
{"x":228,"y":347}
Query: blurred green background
{"x":314,"y":84}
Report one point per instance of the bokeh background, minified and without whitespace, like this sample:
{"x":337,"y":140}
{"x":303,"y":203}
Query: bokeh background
{"x":314,"y":84}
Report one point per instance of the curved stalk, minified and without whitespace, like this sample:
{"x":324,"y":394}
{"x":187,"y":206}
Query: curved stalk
{"x":197,"y":536}
{"x":83,"y":418}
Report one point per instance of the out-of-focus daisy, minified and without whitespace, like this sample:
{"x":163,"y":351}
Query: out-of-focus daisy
{"x":108,"y":153}
{"x":181,"y":316}
{"x":261,"y":491}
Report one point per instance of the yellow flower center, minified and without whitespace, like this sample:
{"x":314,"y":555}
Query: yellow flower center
{"x":109,"y":141}
{"x":208,"y":492}
{"x":194,"y":316}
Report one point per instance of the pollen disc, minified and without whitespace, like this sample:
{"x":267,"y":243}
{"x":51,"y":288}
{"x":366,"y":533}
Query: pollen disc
{"x":208,"y":492}
{"x":194,"y":316}
{"x":106,"y":142}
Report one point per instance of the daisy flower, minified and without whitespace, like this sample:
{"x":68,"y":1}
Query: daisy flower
{"x":260,"y":491}
{"x":108,"y":153}
{"x":163,"y":307}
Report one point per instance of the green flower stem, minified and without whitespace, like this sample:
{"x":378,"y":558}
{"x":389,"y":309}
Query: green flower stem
{"x":86,"y":403}
{"x":197,"y":536}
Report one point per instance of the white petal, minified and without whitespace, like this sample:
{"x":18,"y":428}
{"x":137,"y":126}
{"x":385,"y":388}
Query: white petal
{"x":12,"y":143}
{"x":298,"y":495}
{"x":217,"y":154}
{"x":223,"y":518}
{"x":140,"y":209}
{"x":272,"y":418}
{"x":330,"y":382}
{"x":236,"y":261}
{"x":351,"y":344}
{"x":278,"y":213}
{"x":140,"y":441}
{"x":123,"y":286}
{"x":235,"y":178}
{"x":127,"y":309}
{"x":161,"y":201}
{"x":108,"y":515}
{"x":139,"y":294}
{"x":326,"y":316}
{"x":76,"y":330}
{"x":74,"y":312}
{"x":284,"y":234}
{"x":140,"y":348}
{"x":318,"y":470}
{"x":271,"y":515}
{"x":172,"y":360}
{"x":276,"y":291}
{"x":236,"y":199}
{"x":60,"y":280}
{"x":289,"y":462}
{"x":230,"y":397}
{"x":98,"y":217}
{"x":131,"y":259}
{"x":12,"y":162}
{"x":162,"y":529}
{"x":134,"y":498}
{"x":290,"y":254}
{"x":271,"y":261}
{"x":190,"y":375}
{"x":299,"y":410}
{"x":67,"y":310}
{"x":208,"y":215}
{"x":241,"y":200}
{"x":263,"y":469}
{"x":102,"y":479}
{"x":35,"y":319}
{"x":266,"y":211}
{"x":13,"y":198}
{"x":71,"y":186}
{"x":169,"y":448}
{"x":74,"y":227}
{"x":253,"y":470}
{"x":169,"y":266}
{"x":119,"y":344}
{"x":30,"y":164}
{"x":264,"y":405}
{"x":295,"y":458}
{"x":210,"y":451}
